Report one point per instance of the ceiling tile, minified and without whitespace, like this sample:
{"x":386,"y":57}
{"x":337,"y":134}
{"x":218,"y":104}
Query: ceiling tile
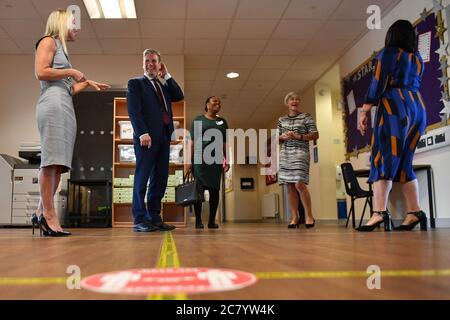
{"x":285,"y":47}
{"x":252,"y":29}
{"x":84,"y":46}
{"x":245,"y":47}
{"x":250,"y":96}
{"x":310,"y":9}
{"x":18,"y":9}
{"x":198,"y":85}
{"x":207,"y":29}
{"x":207,"y":9}
{"x":314,"y":61}
{"x":9,"y":47}
{"x":319,"y":47}
{"x":245,"y":62}
{"x":26,"y":45}
{"x":44,"y":8}
{"x":86,"y":31}
{"x":275,"y":62}
{"x":343,"y":29}
{"x":118,"y":29}
{"x":161,"y":9}
{"x":289,"y":85}
{"x":228,"y":84}
{"x":297,"y":29}
{"x":199,"y":74}
{"x":24,"y":29}
{"x":162,"y":29}
{"x":261,"y":9}
{"x":265,"y":74}
{"x":201,"y":61}
{"x":3,"y":34}
{"x":308,"y":74}
{"x":351,"y":9}
{"x":165,"y":46}
{"x":262,"y":85}
{"x":203,"y":47}
{"x":121,"y":46}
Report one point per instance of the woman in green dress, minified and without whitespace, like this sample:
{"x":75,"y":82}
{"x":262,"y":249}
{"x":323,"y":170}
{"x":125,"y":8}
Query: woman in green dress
{"x":209,"y":147}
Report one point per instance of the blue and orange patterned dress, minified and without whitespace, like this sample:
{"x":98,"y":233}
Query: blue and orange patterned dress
{"x":400,"y":118}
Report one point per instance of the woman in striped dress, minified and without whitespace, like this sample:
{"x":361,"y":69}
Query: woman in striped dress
{"x":295,"y":131}
{"x":400,"y":121}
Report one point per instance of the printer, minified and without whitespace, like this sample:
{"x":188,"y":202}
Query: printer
{"x":19,"y":195}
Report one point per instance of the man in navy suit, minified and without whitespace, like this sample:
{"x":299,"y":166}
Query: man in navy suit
{"x":149,"y":103}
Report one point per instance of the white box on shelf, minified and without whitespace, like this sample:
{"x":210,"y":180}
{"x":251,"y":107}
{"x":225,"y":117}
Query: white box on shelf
{"x":126,"y":153}
{"x":126,"y":130}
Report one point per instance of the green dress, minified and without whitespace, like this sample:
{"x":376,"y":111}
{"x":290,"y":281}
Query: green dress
{"x":209,"y":174}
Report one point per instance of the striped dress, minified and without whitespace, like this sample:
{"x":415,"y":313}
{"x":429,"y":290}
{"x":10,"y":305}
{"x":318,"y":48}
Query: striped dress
{"x":400,"y":118}
{"x":294,"y":154}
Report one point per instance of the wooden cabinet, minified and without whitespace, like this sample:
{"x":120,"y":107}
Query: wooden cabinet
{"x":124,"y":166}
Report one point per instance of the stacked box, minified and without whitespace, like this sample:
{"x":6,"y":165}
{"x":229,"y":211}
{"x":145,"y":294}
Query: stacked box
{"x":169,"y":195}
{"x":123,"y":195}
{"x":178,"y":177}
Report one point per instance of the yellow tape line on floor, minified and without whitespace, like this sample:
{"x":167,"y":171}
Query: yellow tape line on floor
{"x":168,"y":258}
{"x":15,"y":281}
{"x":350,"y":274}
{"x":30,"y":281}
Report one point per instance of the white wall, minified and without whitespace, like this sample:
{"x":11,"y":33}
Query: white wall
{"x":374,"y":40}
{"x":19,"y":89}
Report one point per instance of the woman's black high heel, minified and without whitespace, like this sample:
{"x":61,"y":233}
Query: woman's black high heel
{"x":310,"y":225}
{"x":294,"y":225}
{"x":47,"y":231}
{"x":387,"y":221}
{"x":35,"y":224}
{"x":422,"y":219}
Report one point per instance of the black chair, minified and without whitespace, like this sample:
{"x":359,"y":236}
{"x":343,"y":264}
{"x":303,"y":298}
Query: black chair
{"x":355,"y":192}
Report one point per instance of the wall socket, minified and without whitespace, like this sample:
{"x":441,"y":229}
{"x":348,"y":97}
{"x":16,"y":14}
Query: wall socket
{"x":434,"y":139}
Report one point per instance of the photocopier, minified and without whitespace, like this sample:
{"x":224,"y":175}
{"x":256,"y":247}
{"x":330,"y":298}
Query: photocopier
{"x":19,"y":191}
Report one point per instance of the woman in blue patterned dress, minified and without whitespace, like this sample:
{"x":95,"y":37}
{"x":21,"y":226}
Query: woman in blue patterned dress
{"x":400,"y":121}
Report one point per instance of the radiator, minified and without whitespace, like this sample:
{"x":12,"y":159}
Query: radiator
{"x":270,"y":205}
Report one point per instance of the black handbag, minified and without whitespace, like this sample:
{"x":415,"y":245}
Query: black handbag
{"x":190,"y":192}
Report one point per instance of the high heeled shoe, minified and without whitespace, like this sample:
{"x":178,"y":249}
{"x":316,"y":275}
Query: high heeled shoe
{"x":294,"y":225}
{"x":421,"y":218}
{"x":35,"y":224}
{"x":310,"y":225}
{"x":387,"y":221}
{"x":45,"y":230}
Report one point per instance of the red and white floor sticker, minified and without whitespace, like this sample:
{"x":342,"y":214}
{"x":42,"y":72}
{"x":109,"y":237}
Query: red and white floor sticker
{"x":168,"y":281}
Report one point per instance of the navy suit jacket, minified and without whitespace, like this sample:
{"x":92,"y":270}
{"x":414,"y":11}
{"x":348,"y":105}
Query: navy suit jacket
{"x":145,"y":109}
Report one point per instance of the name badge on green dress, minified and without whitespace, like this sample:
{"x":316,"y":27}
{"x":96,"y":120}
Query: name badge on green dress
{"x":219,"y":123}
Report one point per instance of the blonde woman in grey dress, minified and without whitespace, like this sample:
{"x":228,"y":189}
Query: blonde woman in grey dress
{"x":55,"y":114}
{"x":295,"y":131}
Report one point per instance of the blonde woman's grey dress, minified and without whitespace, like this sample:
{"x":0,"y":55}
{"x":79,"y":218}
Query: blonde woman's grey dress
{"x":294,"y":154}
{"x":56,"y":117}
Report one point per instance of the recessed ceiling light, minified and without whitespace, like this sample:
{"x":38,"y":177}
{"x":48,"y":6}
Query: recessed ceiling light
{"x":110,"y":9}
{"x":233,"y":75}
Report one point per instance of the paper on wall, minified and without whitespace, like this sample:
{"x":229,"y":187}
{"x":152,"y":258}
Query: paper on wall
{"x":351,"y":102}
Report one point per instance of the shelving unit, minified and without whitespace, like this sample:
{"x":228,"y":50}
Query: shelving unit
{"x":121,"y":212}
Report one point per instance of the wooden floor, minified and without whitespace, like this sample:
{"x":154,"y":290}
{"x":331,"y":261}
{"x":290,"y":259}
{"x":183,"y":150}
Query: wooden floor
{"x":263,"y":247}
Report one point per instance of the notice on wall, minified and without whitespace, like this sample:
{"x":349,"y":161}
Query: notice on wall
{"x":424,"y":46}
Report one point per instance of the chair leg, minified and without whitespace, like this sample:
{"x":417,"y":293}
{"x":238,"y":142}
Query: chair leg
{"x":363,"y":212}
{"x":353,"y":214}
{"x":349,"y":215}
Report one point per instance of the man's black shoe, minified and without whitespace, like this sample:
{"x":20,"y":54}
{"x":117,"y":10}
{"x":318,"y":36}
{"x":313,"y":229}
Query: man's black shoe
{"x":161,"y":226}
{"x":213,"y":226}
{"x":144,"y":227}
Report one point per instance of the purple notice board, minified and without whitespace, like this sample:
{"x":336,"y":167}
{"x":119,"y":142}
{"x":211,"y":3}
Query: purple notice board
{"x":357,"y":83}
